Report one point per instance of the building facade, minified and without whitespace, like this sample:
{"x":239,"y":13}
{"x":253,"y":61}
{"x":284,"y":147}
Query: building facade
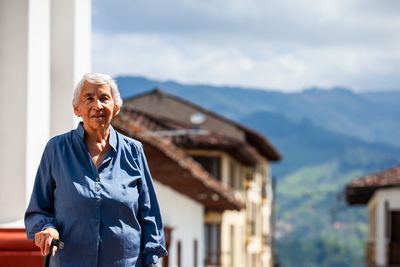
{"x":184,"y":189}
{"x":381,"y":193}
{"x":44,"y":51}
{"x":236,"y":157}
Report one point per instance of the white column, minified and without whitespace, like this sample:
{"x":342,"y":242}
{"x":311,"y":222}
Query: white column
{"x":380,"y":231}
{"x":70,"y":58}
{"x":38,"y":95}
{"x":29,"y":112}
{"x":24,"y":105}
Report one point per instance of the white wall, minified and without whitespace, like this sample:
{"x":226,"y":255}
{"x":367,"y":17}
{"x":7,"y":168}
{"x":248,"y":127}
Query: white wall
{"x":392,"y":196}
{"x":186,"y":217}
{"x":24,"y":102}
{"x":29,"y":30}
{"x":70,"y":58}
{"x":237,"y":220}
{"x":38,"y":95}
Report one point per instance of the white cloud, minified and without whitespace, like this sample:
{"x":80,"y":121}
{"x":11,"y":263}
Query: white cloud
{"x":287,"y":45}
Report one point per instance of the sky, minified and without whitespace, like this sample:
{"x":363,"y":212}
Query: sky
{"x":284,"y":45}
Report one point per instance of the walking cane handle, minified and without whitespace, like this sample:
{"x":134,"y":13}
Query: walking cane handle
{"x":54,"y":242}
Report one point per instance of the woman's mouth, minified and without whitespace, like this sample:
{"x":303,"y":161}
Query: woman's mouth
{"x":98,"y":116}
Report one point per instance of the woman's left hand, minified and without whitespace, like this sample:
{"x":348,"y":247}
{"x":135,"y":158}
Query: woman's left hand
{"x":43,"y":240}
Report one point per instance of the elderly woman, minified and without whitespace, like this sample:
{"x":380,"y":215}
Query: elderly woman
{"x":93,"y":190}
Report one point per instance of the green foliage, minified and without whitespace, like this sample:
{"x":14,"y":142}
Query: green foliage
{"x":315,"y":227}
{"x":321,"y":252}
{"x":325,"y":230}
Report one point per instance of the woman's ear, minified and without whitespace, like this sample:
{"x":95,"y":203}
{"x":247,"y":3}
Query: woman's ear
{"x":116,"y":110}
{"x":77,"y":112}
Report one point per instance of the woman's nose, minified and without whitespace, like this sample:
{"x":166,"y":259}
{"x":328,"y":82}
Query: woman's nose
{"x":98,"y":104}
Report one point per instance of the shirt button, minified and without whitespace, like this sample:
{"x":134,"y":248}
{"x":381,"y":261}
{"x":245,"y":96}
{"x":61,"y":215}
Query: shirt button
{"x":97,"y":189}
{"x":97,"y":179}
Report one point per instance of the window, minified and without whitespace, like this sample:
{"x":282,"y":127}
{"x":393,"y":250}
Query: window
{"x":252,"y":216}
{"x":232,"y":250}
{"x":195,"y":244}
{"x":254,"y":219}
{"x":231,"y":174}
{"x":167,"y":234}
{"x":234,"y":173}
{"x":264,"y":191}
{"x":395,"y":223}
{"x":394,"y":245}
{"x":179,"y":254}
{"x":212,"y":244}
{"x":210,"y":164}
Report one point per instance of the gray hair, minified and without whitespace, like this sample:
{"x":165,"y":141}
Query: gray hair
{"x":97,"y":78}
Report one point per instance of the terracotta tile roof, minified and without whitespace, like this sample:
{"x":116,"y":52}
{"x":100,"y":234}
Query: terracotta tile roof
{"x":172,"y":167}
{"x":254,"y":138}
{"x":187,"y":136}
{"x":361,"y":190}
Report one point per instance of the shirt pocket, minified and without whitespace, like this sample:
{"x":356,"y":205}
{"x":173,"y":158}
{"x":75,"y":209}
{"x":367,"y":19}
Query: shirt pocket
{"x":130,"y":189}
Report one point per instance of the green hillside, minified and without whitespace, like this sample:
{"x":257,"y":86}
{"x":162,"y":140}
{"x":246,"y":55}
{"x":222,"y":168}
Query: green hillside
{"x":315,"y":227}
{"x":327,"y":138}
{"x":305,"y":144}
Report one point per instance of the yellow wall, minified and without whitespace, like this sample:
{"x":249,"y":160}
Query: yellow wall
{"x":240,"y":245}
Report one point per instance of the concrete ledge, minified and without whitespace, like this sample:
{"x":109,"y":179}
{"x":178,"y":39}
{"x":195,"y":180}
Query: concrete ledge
{"x":18,"y":251}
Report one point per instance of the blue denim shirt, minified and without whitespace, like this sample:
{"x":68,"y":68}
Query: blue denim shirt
{"x":107,"y":216}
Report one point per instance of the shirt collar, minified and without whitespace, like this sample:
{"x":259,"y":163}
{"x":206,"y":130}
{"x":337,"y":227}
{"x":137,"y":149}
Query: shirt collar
{"x":112,"y":139}
{"x":80,"y":130}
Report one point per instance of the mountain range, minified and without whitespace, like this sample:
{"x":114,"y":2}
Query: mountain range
{"x":327,"y":138}
{"x":368,"y":116}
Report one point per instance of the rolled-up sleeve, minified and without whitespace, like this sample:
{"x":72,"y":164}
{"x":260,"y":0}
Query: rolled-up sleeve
{"x":150,"y":217}
{"x":40,"y":212}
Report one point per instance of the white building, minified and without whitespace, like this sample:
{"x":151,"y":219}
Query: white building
{"x":236,"y":157}
{"x":184,"y":189}
{"x":44,"y":50}
{"x":381,"y":192}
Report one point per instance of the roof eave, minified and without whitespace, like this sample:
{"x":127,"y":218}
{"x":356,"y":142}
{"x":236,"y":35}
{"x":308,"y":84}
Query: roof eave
{"x":362,"y":195}
{"x":267,"y":149}
{"x":205,"y":190}
{"x":359,"y":196}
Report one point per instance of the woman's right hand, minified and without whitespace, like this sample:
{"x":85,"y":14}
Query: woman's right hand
{"x":43,"y":240}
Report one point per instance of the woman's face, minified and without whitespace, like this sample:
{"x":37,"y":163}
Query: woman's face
{"x":96,"y":106}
